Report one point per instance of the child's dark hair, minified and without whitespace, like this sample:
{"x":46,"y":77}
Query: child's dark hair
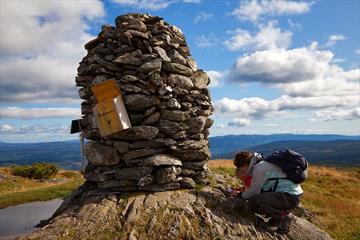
{"x":242,"y":158}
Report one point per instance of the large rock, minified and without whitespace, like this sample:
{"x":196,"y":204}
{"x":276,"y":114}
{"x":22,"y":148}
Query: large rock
{"x":162,"y":160}
{"x":138,"y":153}
{"x":137,"y":133}
{"x":177,"y":68}
{"x":196,"y":124}
{"x":193,"y":155}
{"x":101,"y":155}
{"x":180,"y":81}
{"x":154,"y":65}
{"x":139,"y":102}
{"x":135,"y":173}
{"x":174,"y":115}
{"x":204,"y":213}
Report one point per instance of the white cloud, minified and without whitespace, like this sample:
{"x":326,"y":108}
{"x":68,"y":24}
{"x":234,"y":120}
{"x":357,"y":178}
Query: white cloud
{"x":239,"y":122}
{"x":216,"y":78}
{"x":259,"y":108}
{"x":41,"y":45}
{"x":268,"y":37}
{"x":281,"y":66}
{"x":202,"y":17}
{"x":357,"y":51}
{"x":254,"y":10}
{"x":207,"y":40}
{"x":333,"y":39}
{"x":35,"y":133}
{"x":34,"y":129}
{"x":32,"y":113}
{"x":338,"y":114}
{"x":151,"y":4}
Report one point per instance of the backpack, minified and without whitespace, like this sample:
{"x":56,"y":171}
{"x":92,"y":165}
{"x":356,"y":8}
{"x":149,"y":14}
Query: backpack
{"x":291,"y":163}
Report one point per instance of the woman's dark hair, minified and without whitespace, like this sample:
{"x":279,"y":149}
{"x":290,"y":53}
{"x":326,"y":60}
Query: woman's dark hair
{"x":242,"y":158}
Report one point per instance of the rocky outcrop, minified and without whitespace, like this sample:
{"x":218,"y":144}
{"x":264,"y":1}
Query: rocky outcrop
{"x":202,"y":213}
{"x":167,"y":101}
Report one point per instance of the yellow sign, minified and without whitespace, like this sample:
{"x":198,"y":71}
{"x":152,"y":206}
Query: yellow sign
{"x":110,"y":112}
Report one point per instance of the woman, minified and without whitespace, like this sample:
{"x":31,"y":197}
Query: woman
{"x":269,"y":193}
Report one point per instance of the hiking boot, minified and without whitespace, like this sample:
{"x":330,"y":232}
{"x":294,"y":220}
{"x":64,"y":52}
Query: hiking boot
{"x":273,"y":222}
{"x":285,"y":223}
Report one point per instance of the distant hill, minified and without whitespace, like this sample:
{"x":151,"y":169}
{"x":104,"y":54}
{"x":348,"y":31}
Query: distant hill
{"x":338,"y":152}
{"x":67,"y":153}
{"x":229,"y":144}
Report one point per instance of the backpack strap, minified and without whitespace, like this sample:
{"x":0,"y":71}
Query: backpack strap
{"x":274,"y":187}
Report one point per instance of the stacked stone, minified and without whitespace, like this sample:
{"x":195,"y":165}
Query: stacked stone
{"x":167,"y":101}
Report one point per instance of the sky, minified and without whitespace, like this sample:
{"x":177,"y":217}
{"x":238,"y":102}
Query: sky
{"x":275,"y":66}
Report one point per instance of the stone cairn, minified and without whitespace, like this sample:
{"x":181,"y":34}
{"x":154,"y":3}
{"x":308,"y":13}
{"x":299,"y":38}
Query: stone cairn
{"x":167,"y":101}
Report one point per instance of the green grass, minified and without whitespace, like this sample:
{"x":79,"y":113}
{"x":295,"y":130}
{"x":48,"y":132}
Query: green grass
{"x":224,"y":170}
{"x":40,"y":194}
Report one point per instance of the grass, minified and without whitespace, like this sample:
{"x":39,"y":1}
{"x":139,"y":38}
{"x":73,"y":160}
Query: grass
{"x":16,"y":190}
{"x":332,"y":194}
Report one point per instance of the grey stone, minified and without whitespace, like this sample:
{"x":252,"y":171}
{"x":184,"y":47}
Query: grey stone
{"x":160,"y":188}
{"x":168,"y":127}
{"x":135,"y":173}
{"x":186,"y":105}
{"x":146,"y":144}
{"x":200,"y":79}
{"x":180,"y":91}
{"x":180,"y":135}
{"x":154,"y":65}
{"x":135,"y":118}
{"x":196,"y":124}
{"x":99,"y":154}
{"x":193,"y":155}
{"x":145,"y":181}
{"x":201,"y":102}
{"x":129,"y":78}
{"x":150,"y":120}
{"x":149,"y":111}
{"x":162,"y":54}
{"x":173,"y":104}
{"x":165,"y":141}
{"x":176,"y":57}
{"x":121,"y":185}
{"x":192,"y":144}
{"x":187,"y":172}
{"x":156,"y":79}
{"x":135,"y":33}
{"x":174,"y":115}
{"x":131,"y":23}
{"x":138,"y":153}
{"x":197,"y":136}
{"x":197,"y":166}
{"x":180,"y":81}
{"x":137,"y":133}
{"x":128,"y":58}
{"x":139,"y":102}
{"x":121,"y":146}
{"x":209,"y":123}
{"x":177,"y":68}
{"x":161,"y":160}
{"x":167,"y":175}
{"x":187,"y":182}
{"x":130,"y":88}
{"x":192,"y":64}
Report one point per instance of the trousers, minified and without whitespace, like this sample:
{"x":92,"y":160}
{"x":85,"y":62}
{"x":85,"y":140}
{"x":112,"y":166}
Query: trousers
{"x":273,"y":204}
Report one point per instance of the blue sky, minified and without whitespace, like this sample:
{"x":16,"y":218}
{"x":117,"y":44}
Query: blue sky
{"x":275,"y":66}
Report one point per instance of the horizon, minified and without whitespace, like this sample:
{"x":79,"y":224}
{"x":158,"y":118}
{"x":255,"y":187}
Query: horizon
{"x":230,"y":135}
{"x":276,"y":67}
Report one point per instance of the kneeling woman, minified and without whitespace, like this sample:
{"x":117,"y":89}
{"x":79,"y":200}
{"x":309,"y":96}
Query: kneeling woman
{"x":269,"y":193}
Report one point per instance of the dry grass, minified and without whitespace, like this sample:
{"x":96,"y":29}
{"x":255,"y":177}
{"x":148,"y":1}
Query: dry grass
{"x":331,"y":193}
{"x":12,"y":184}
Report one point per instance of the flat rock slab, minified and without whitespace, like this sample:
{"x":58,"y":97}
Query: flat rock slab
{"x":162,"y":160}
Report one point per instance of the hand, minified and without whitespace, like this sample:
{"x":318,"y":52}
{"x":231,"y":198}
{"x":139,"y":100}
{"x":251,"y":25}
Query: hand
{"x":234,"y":193}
